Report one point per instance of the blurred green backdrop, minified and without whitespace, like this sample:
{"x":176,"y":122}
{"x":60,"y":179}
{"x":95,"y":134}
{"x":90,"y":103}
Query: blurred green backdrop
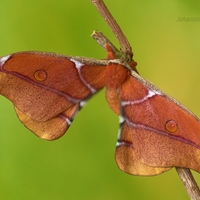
{"x":81,"y":164}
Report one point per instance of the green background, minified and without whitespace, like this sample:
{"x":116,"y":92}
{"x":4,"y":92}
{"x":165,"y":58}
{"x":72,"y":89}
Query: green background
{"x":81,"y":164}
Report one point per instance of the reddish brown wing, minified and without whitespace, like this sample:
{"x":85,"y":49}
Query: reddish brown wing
{"x":48,"y":89}
{"x":156,"y":132}
{"x":53,"y":128}
{"x":127,"y":158}
{"x":147,"y":112}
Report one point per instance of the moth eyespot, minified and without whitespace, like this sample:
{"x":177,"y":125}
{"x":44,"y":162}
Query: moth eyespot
{"x":40,"y":75}
{"x":171,"y":126}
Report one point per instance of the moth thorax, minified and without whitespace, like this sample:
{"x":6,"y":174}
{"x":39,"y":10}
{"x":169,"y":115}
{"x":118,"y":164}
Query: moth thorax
{"x":116,"y":74}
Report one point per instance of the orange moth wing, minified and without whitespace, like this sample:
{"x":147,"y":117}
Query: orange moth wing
{"x":156,"y":132}
{"x":48,"y":89}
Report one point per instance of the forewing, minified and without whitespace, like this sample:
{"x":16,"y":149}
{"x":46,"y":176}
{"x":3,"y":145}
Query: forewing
{"x":161,"y":132}
{"x":44,"y":86}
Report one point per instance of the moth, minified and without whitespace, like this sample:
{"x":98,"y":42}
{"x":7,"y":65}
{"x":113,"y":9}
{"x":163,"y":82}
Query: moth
{"x":156,"y":132}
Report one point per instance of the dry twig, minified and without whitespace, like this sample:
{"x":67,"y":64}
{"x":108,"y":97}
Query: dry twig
{"x":184,"y":173}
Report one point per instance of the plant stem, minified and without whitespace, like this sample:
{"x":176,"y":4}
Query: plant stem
{"x":105,"y":13}
{"x":184,"y":173}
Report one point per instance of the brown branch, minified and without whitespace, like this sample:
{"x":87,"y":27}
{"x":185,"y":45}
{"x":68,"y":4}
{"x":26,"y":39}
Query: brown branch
{"x":105,"y":13}
{"x":184,"y":173}
{"x":189,"y":183}
{"x":102,"y":40}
